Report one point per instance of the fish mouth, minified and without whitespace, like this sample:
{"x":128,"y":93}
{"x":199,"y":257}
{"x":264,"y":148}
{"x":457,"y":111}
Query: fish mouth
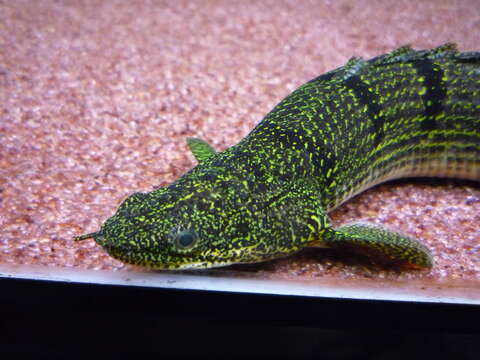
{"x":163,"y":260}
{"x":178,"y":263}
{"x":153,"y":258}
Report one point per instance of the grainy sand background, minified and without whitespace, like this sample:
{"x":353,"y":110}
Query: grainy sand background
{"x":97,"y":97}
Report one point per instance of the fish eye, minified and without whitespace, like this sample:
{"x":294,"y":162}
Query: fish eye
{"x":185,"y":239}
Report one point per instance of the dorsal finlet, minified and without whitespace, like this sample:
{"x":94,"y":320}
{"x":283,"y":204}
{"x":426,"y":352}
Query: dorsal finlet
{"x":200,"y":149}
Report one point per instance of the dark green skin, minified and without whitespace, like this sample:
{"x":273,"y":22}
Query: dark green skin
{"x":407,"y":113}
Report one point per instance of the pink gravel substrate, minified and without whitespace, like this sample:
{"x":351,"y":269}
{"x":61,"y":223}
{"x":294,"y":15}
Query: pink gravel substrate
{"x":96,"y":99}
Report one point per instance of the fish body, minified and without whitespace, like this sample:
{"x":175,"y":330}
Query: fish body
{"x":407,"y":113}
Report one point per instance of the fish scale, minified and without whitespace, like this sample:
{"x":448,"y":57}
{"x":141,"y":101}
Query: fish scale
{"x":403,"y":114}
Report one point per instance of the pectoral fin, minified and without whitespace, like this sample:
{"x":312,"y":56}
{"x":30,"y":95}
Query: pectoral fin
{"x":375,"y":239}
